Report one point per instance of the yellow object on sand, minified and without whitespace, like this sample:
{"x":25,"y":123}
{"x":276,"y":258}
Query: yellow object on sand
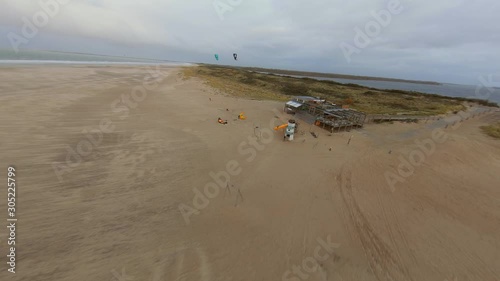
{"x":280,"y":127}
{"x":242,"y":116}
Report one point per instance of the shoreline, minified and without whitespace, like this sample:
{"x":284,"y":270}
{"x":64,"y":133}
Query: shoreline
{"x":100,"y":63}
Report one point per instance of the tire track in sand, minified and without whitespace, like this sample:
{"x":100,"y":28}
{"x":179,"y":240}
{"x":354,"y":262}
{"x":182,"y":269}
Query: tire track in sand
{"x":383,"y":263}
{"x":389,"y":210}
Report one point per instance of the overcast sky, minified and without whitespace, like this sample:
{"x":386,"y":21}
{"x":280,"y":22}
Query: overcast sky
{"x":440,"y":40}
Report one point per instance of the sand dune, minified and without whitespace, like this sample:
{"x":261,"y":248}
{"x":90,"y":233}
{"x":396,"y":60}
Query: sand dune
{"x":108,"y":158}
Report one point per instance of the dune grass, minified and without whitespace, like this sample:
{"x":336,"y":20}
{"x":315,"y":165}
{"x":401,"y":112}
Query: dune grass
{"x":492,"y":130}
{"x":254,"y":85}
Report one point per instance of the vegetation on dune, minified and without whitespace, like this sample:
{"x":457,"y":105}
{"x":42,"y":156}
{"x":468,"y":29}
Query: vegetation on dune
{"x":235,"y":83}
{"x":255,"y":85}
{"x":492,"y":130}
{"x":334,"y":75}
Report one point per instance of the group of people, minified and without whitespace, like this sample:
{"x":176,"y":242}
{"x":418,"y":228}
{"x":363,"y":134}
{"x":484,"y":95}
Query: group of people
{"x":221,"y":121}
{"x":241,"y":116}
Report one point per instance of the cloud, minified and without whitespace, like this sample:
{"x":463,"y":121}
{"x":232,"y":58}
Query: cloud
{"x":298,"y":34}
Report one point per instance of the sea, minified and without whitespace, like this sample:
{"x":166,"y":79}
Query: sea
{"x":478,"y":91}
{"x":9,"y":57}
{"x":483,"y":90}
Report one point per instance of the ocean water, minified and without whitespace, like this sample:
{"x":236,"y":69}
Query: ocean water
{"x":8,"y":56}
{"x":478,"y":91}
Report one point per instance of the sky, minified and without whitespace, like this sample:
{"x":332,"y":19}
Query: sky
{"x":453,"y":41}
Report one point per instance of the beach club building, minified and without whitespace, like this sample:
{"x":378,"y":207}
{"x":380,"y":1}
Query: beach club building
{"x":325,"y":114}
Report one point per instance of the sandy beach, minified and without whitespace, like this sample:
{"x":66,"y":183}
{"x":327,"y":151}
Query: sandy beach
{"x":123,"y":173}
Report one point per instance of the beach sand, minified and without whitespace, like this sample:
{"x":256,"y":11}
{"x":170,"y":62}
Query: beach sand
{"x":105,"y":156}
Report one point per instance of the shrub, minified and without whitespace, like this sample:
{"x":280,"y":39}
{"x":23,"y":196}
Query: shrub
{"x":294,"y":89}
